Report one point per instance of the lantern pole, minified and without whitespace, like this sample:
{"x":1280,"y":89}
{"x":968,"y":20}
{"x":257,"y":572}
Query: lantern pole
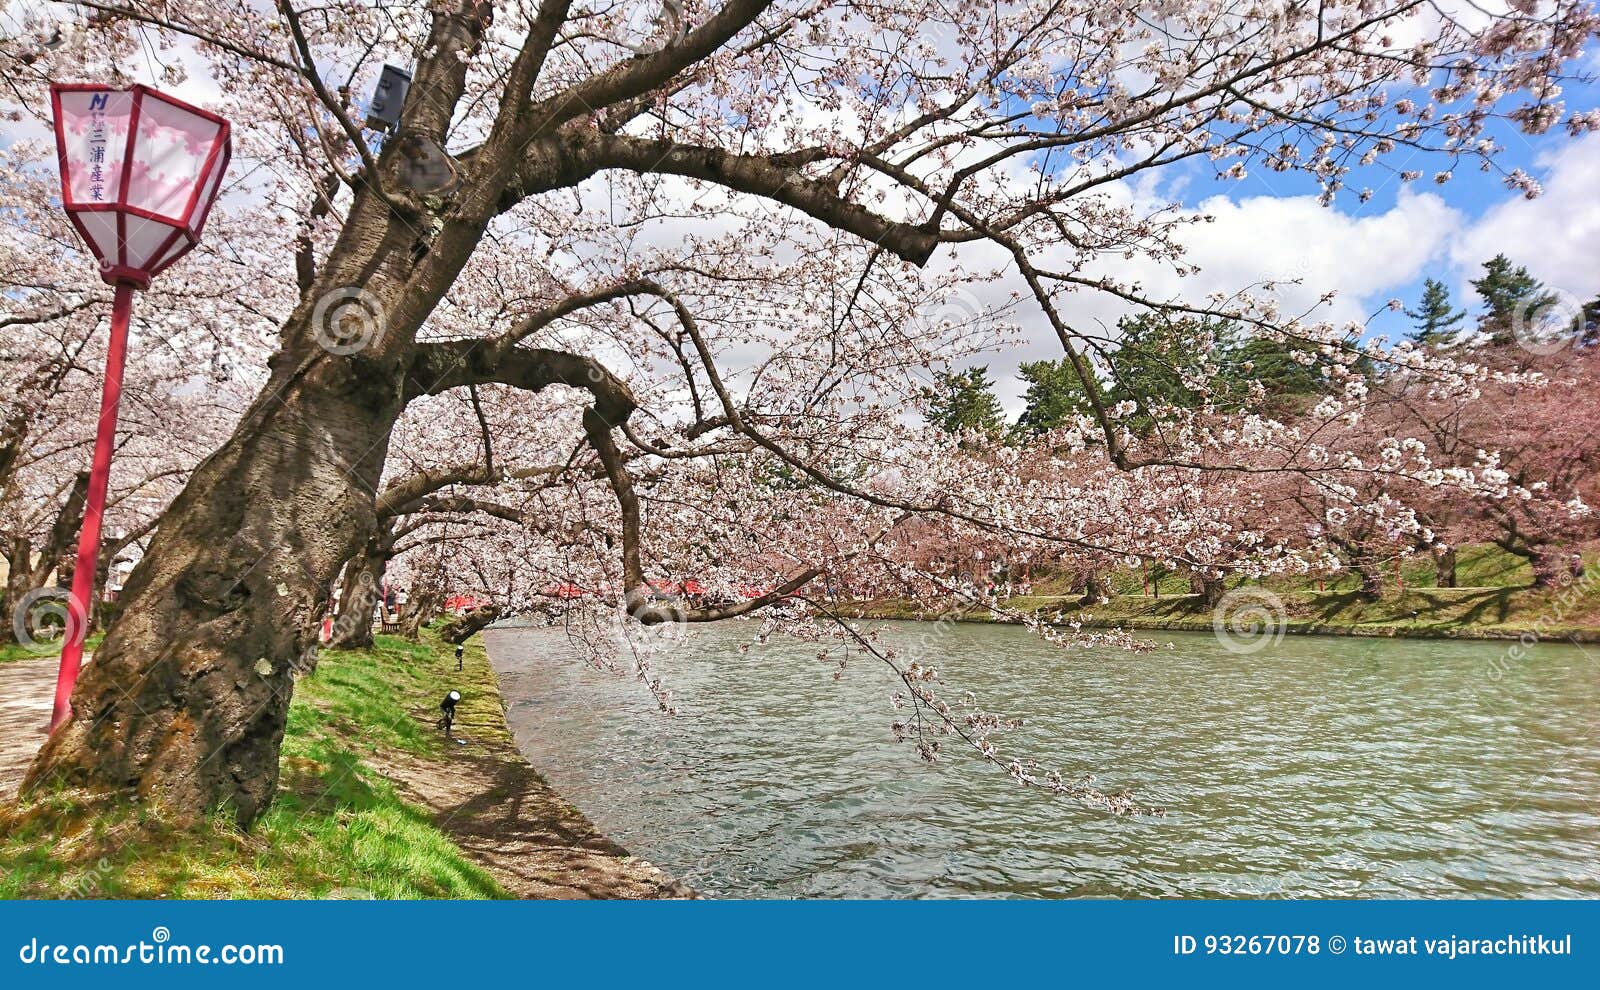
{"x":83,"y":573}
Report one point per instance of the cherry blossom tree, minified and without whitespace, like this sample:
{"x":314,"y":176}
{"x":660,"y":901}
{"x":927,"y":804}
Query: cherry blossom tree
{"x":730,"y":243}
{"x":1539,"y":464}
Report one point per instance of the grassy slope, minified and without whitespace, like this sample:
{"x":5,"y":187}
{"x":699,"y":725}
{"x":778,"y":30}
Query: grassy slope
{"x":15,"y":651}
{"x":337,"y":829}
{"x":1497,"y":602}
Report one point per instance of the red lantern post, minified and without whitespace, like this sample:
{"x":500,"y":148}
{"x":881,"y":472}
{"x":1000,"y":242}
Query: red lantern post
{"x":140,"y":172}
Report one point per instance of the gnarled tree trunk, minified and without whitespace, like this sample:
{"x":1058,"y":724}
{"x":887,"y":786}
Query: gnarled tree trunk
{"x":1444,"y":568}
{"x":186,"y":699}
{"x":359,"y":594}
{"x":1210,"y":589}
{"x":463,"y":627}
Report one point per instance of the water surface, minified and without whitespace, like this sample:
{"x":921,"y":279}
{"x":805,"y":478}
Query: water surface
{"x":1322,"y":767}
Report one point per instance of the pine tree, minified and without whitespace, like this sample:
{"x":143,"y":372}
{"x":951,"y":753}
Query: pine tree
{"x":1511,"y":297}
{"x":1436,"y":321}
{"x":1166,"y":361}
{"x":964,"y":401}
{"x":1055,"y":395}
{"x":1290,"y":385}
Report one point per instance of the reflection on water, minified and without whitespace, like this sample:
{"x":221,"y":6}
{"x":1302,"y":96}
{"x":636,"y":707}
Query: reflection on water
{"x":1324,"y":767}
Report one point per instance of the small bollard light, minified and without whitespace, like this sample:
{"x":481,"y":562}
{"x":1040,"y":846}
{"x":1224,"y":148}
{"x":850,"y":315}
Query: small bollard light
{"x":459,"y":650}
{"x":448,"y":707}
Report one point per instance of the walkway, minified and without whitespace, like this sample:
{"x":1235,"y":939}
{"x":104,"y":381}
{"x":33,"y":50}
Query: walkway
{"x":26,"y":689}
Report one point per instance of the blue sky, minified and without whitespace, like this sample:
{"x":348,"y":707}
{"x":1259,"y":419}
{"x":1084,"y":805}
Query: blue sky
{"x":1269,"y":225}
{"x":1477,"y":197}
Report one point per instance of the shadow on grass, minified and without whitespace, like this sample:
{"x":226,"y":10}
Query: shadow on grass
{"x":337,"y":828}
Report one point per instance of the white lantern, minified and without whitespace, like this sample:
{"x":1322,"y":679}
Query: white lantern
{"x":140,"y":172}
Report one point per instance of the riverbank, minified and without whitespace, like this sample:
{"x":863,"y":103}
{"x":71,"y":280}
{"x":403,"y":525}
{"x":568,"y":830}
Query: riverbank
{"x":373,"y":802}
{"x":1496,"y":613}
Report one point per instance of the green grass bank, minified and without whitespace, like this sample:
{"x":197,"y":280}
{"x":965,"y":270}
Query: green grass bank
{"x":1496,"y":601}
{"x":373,"y":801}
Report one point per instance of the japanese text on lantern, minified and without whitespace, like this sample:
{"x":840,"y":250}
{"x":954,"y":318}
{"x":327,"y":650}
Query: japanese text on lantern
{"x":97,"y":146}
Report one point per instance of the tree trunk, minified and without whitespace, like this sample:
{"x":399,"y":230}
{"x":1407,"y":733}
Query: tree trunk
{"x":463,"y":627}
{"x":19,"y":554}
{"x":1093,"y":588}
{"x":28,"y":568}
{"x":420,"y":610}
{"x":1444,"y":568}
{"x":1371,"y":580}
{"x":1210,"y":589}
{"x":1550,"y":567}
{"x":186,"y":700}
{"x":358,"y":597}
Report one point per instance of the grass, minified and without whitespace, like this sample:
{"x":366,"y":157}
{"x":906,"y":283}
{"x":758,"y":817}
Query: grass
{"x":337,"y":828}
{"x":11,"y":652}
{"x":1496,"y":600}
{"x":1477,"y":566}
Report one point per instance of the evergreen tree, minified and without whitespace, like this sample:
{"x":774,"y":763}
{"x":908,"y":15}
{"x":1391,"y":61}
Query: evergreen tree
{"x":1159,"y":360}
{"x":1510,"y":296}
{"x":1162,"y":361}
{"x":1291,"y":385}
{"x":1055,"y":395}
{"x":1587,"y":324}
{"x":962,"y":401}
{"x":1436,"y":321}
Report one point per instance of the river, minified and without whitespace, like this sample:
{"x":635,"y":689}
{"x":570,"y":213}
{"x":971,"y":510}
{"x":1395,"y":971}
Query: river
{"x":1319,"y":767}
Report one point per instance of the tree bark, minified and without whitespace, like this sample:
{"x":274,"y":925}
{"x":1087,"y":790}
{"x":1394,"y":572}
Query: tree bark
{"x":1094,"y":588}
{"x":1550,"y":567}
{"x":463,"y":627}
{"x":358,"y":596}
{"x":1444,"y":568}
{"x":1371,"y":580}
{"x":187,"y":697}
{"x":422,"y":608}
{"x":19,"y":563}
{"x":28,"y":567}
{"x":1210,"y":589}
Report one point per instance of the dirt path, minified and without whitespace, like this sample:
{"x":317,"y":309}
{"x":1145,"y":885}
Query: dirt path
{"x":484,"y":795}
{"x":502,"y":813}
{"x":26,"y":690}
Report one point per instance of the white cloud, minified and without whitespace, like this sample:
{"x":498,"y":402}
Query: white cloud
{"x":1557,"y":236}
{"x":1366,"y":258}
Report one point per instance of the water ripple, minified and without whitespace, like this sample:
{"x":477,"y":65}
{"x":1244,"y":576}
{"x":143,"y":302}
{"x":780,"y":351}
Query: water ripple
{"x":1325,"y":768}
